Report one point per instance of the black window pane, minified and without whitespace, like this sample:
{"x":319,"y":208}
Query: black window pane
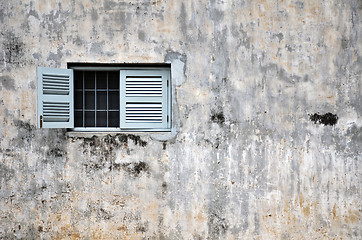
{"x":113,"y":119}
{"x":89,"y":119}
{"x":113,"y":80}
{"x":101,"y":80}
{"x":78,"y":80}
{"x":89,"y":79}
{"x":89,"y":100}
{"x":101,"y":100}
{"x":78,"y":99}
{"x":99,"y":93}
{"x":113,"y":100}
{"x":101,"y":118}
{"x":78,"y":119}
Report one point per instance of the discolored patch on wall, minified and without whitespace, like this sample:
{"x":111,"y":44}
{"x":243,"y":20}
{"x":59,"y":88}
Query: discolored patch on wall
{"x":2,"y":15}
{"x":94,"y":15}
{"x":13,"y":48}
{"x":141,"y":35}
{"x":97,"y":47}
{"x":325,"y":119}
{"x":243,"y":38}
{"x":7,"y":82}
{"x":218,"y":117}
{"x":26,"y":132}
{"x":104,"y":151}
{"x":136,"y":169}
{"x":56,"y":152}
{"x":217,"y":225}
{"x":178,"y":67}
{"x":56,"y":57}
{"x":6,"y":173}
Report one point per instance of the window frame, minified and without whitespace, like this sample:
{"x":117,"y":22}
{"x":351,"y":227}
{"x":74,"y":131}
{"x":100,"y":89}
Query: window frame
{"x":109,"y":67}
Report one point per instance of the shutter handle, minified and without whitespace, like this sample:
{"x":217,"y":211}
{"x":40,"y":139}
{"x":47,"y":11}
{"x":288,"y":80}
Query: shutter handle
{"x":41,"y":121}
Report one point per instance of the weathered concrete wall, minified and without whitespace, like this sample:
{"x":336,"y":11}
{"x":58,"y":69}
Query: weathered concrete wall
{"x":248,"y":160}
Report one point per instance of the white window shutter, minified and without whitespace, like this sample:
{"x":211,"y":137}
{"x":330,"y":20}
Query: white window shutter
{"x":144,"y":99}
{"x":55,"y":98}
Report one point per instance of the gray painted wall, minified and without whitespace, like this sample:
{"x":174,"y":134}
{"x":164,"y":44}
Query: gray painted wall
{"x":253,"y":155}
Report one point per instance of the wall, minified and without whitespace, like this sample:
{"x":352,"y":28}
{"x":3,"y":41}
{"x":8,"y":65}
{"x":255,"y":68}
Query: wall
{"x":267,"y":118}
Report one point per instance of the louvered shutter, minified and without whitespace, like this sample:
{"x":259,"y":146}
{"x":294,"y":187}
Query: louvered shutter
{"x":144,"y":99}
{"x":55,"y":98}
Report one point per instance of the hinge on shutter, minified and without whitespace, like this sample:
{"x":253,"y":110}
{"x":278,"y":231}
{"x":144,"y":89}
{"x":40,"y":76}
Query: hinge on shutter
{"x":41,"y":121}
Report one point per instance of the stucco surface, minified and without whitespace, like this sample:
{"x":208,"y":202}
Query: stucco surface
{"x":246,"y":158}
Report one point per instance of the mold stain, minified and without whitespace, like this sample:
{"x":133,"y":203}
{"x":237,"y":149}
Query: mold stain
{"x":56,"y":152}
{"x":114,"y":140}
{"x":13,"y":48}
{"x":218,"y":225}
{"x":136,"y":169}
{"x":104,"y":149}
{"x":325,"y":119}
{"x":218,"y":118}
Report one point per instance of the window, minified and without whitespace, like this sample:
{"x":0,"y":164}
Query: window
{"x":96,"y":99}
{"x":108,"y":98}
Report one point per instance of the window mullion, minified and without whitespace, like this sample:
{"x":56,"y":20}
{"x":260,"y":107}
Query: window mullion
{"x":119,"y":95}
{"x":95,"y":99}
{"x":83,"y":110}
{"x":107,"y":100}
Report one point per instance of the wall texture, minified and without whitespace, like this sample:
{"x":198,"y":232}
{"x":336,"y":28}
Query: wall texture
{"x":267,"y":118}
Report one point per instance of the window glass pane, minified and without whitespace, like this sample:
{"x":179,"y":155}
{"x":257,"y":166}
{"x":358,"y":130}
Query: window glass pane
{"x":78,"y":118}
{"x":101,"y":80}
{"x":78,"y":99}
{"x":113,"y":80}
{"x":101,"y":100}
{"x":78,"y":80}
{"x":113,"y":100}
{"x":89,"y":79}
{"x":89,"y":100}
{"x":101,"y":118}
{"x":89,"y":119}
{"x":113,"y":119}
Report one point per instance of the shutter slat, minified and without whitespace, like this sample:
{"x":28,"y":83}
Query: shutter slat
{"x":143,"y":118}
{"x":144,"y":79}
{"x":141,"y":112}
{"x":57,"y":88}
{"x":143,"y":88}
{"x":144,"y":115}
{"x":55,"y":84}
{"x":130,"y":83}
{"x":56,"y":77}
{"x":142,"y":105}
{"x":53,"y":80}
